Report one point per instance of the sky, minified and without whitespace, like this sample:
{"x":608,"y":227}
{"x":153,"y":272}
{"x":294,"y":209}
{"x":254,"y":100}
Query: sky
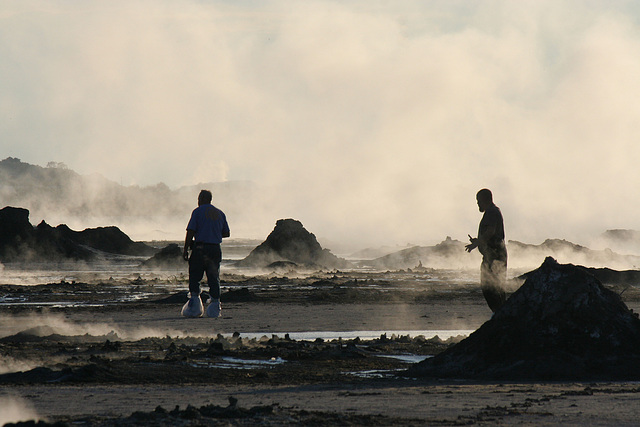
{"x":375,"y":121}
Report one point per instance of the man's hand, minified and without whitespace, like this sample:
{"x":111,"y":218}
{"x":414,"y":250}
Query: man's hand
{"x":472,"y":245}
{"x":188,"y":243}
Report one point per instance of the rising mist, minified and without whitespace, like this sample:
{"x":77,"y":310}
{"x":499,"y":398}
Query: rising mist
{"x":370,"y":123}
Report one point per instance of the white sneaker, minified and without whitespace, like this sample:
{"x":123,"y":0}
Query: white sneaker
{"x":214,"y":309}
{"x":193,"y":307}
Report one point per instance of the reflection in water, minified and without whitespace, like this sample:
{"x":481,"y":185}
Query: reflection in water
{"x":363,"y":335}
{"x":237,"y":363}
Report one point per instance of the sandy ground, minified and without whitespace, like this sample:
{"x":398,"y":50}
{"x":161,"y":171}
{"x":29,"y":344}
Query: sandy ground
{"x":397,"y":401}
{"x":287,"y":317}
{"x":410,"y":402}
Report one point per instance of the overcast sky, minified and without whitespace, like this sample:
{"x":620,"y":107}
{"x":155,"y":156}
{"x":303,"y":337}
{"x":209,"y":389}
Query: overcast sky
{"x":368,"y":119}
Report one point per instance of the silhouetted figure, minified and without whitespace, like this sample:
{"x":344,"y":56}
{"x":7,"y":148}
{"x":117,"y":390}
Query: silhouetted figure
{"x":490,"y":243}
{"x":206,"y":228}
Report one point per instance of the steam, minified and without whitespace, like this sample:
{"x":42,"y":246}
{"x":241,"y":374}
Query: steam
{"x":369,"y":122}
{"x":9,"y":364}
{"x":57,"y":324}
{"x":15,"y":409}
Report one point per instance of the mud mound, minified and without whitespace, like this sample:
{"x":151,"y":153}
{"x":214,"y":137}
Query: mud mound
{"x":168,"y":257}
{"x":608,"y":276}
{"x":107,"y":239}
{"x":20,"y":241}
{"x":562,"y":324}
{"x":290,"y":241}
{"x":14,"y":224}
{"x":449,"y":254}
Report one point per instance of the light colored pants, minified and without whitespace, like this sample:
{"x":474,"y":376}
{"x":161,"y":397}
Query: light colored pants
{"x":493,"y":275}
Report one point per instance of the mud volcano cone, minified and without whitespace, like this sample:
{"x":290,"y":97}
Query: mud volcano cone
{"x":562,"y":324}
{"x":290,"y":241}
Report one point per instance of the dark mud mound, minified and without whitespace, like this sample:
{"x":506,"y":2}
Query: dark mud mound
{"x":562,"y":324}
{"x":20,"y":241}
{"x":608,"y":276}
{"x":291,"y":242}
{"x":107,"y":239}
{"x":168,"y":257}
{"x":615,"y":277}
{"x":449,"y":253}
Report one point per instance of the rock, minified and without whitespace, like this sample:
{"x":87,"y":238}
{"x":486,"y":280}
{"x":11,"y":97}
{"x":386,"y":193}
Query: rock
{"x":107,"y":239}
{"x":282,"y":266}
{"x":21,"y":242}
{"x":168,"y":257}
{"x":15,"y":230}
{"x":291,"y":242}
{"x":50,"y":243}
{"x":562,"y":324}
{"x":608,"y":276}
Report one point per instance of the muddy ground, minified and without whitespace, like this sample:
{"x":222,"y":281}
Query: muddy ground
{"x":97,"y":350}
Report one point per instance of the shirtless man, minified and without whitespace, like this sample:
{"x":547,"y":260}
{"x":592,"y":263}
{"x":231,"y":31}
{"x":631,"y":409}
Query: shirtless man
{"x":490,"y":243}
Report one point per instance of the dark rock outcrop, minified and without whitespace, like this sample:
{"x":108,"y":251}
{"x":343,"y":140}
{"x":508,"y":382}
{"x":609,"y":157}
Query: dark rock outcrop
{"x":15,"y":231}
{"x":607,"y":276}
{"x":107,"y":239}
{"x":168,"y":257}
{"x":290,"y":241}
{"x":562,"y":324}
{"x":20,"y":241}
{"x":615,"y":277}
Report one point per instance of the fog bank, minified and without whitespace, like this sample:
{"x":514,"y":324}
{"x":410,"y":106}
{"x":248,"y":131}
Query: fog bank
{"x":368,"y":122}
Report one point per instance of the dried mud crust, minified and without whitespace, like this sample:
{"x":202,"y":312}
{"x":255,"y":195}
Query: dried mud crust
{"x":234,"y":414}
{"x":274,"y":361}
{"x":392,"y":287}
{"x":321,"y":288}
{"x":107,"y":361}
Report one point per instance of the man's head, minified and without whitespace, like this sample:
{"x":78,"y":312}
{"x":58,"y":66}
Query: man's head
{"x":484,"y":198}
{"x":204,"y":197}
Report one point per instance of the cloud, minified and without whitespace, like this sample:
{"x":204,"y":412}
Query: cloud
{"x":366,"y":122}
{"x":15,"y":409}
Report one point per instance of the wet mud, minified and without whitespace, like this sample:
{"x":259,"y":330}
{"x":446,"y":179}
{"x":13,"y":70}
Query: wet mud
{"x":182,"y":376}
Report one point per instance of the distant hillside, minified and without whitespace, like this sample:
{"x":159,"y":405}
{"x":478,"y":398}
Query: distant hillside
{"x":569,"y":253}
{"x":450,"y":253}
{"x":621,"y":240}
{"x":56,"y":188}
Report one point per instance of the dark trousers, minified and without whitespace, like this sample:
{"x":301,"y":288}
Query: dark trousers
{"x":205,"y":258}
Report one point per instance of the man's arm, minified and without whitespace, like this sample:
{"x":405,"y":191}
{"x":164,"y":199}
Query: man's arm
{"x":471,"y":246}
{"x":187,"y":244}
{"x":225,"y":228}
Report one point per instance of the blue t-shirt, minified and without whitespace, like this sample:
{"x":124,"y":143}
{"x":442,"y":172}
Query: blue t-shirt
{"x":209,"y":223}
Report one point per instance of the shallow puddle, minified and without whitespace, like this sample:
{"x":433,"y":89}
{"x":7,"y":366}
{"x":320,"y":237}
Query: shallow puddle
{"x":237,"y":363}
{"x":363,"y":335}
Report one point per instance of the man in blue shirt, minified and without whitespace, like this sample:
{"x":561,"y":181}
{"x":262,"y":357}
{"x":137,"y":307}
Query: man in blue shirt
{"x":490,"y":243}
{"x":205,"y":231}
